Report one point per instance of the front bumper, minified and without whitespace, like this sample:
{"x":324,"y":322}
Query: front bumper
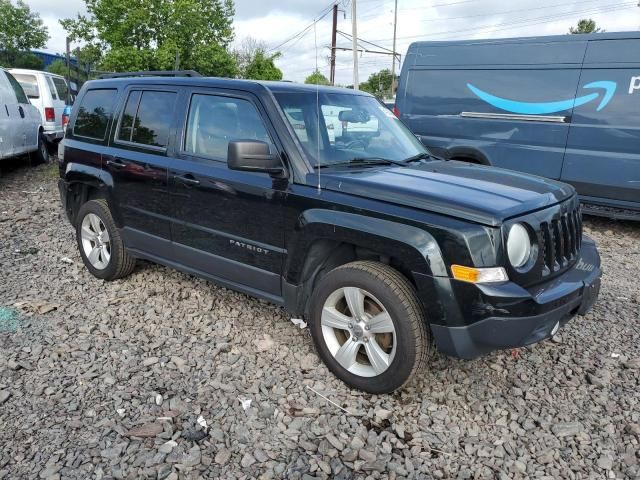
{"x":528,"y":316}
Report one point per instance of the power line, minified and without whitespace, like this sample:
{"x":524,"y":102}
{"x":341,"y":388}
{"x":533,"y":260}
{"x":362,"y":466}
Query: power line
{"x":323,"y":13}
{"x":525,"y":22}
{"x":541,"y":7}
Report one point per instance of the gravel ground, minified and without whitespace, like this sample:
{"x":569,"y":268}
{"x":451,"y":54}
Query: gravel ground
{"x":163,"y":375}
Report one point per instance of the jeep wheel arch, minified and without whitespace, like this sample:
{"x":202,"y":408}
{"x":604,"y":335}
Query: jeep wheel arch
{"x":327,"y":239}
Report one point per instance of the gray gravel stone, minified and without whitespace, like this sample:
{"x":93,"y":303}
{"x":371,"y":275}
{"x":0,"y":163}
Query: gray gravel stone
{"x":99,"y":364}
{"x":566,"y":429}
{"x":247,"y":460}
{"x":223,"y":456}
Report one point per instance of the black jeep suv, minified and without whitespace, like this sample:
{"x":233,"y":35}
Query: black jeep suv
{"x":320,"y":200}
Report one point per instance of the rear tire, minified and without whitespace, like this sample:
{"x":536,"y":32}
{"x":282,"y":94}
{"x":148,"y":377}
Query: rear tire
{"x":42,"y":155}
{"x":379,"y":347}
{"x":99,"y":242}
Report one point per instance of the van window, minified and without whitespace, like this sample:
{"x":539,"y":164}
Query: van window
{"x":214,"y":121}
{"x":52,"y":87}
{"x":147,"y":118}
{"x":95,"y":113}
{"x":20,"y":95}
{"x":29,"y":84}
{"x":61,"y":88}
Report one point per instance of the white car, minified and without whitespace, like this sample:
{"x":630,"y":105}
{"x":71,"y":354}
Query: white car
{"x":20,"y":123}
{"x":49,"y":93}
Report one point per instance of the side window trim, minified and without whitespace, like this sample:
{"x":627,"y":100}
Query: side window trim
{"x":181,"y":141}
{"x":127,"y":93}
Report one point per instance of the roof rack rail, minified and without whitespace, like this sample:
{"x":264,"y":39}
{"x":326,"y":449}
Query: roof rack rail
{"x":152,"y":73}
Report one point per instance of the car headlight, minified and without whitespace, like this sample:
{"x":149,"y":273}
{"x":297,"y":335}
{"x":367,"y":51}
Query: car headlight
{"x":518,"y":245}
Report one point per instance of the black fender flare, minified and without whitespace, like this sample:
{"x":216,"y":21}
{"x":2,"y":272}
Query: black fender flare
{"x":93,"y":177}
{"x":417,"y":248}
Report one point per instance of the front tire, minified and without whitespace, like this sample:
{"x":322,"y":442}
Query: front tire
{"x":99,"y":242}
{"x":368,"y":326}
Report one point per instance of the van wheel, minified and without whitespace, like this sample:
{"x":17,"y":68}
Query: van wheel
{"x":100,"y":244}
{"x":42,"y":155}
{"x":368,"y":326}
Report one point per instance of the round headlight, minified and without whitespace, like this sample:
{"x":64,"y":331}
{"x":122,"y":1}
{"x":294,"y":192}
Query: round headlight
{"x":518,"y":245}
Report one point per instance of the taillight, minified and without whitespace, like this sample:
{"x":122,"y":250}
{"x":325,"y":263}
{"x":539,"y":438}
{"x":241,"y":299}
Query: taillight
{"x":49,"y":114}
{"x":396,"y":112}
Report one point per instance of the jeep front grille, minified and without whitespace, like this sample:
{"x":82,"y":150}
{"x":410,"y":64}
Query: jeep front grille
{"x":560,"y":240}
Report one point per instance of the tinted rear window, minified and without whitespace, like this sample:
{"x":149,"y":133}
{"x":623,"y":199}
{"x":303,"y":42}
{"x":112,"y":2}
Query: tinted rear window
{"x":126,"y":122}
{"x":152,"y":122}
{"x":61,"y":88}
{"x":95,"y":113}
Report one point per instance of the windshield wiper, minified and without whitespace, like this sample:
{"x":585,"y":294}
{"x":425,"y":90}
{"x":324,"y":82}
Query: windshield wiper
{"x":363,"y":161}
{"x":420,"y":156}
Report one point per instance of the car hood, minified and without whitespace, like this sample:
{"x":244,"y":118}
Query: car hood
{"x":486,"y":195}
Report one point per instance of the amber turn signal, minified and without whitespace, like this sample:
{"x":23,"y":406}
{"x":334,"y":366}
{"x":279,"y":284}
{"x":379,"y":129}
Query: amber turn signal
{"x":479,"y":275}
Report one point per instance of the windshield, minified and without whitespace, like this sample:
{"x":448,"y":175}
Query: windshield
{"x":349,"y":127}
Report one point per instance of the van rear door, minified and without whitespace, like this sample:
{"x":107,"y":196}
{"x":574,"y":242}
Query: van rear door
{"x":603,"y":150}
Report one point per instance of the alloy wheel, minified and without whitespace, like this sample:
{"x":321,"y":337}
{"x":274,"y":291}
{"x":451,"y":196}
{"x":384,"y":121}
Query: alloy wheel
{"x":358,"y":331}
{"x":95,"y":241}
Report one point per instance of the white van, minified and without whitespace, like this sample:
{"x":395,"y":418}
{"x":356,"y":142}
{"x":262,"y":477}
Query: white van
{"x":49,"y":93}
{"x":20,"y":122}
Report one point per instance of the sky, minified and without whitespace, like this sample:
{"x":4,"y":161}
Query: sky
{"x":276,"y":21}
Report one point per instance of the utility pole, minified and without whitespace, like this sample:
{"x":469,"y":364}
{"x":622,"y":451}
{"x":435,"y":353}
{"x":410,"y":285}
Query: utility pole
{"x":393,"y":62}
{"x":332,"y":75}
{"x":176,"y":66}
{"x":68,"y":99}
{"x":354,"y":34}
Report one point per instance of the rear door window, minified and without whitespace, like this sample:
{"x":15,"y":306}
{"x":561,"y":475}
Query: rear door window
{"x":61,"y":88}
{"x":29,"y":84}
{"x":95,"y":113}
{"x":147,"y":117}
{"x":52,"y":87}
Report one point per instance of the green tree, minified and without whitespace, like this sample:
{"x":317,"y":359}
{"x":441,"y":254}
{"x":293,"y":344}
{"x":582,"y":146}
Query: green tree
{"x":20,"y":31}
{"x":22,"y":60}
{"x":586,"y":25}
{"x":317,"y":78}
{"x":156,"y":34}
{"x":254,"y":62}
{"x":379,"y":83}
{"x":59,"y":67}
{"x":261,"y":67}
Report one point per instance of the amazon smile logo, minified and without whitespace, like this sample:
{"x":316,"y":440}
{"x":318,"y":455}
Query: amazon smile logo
{"x":542,"y":108}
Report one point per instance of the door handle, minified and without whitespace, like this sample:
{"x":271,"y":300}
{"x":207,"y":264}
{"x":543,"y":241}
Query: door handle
{"x":116,"y":164}
{"x":21,"y":110}
{"x":186,"y":179}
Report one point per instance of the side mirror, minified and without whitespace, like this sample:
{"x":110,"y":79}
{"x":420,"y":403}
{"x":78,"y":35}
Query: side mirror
{"x":252,"y":156}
